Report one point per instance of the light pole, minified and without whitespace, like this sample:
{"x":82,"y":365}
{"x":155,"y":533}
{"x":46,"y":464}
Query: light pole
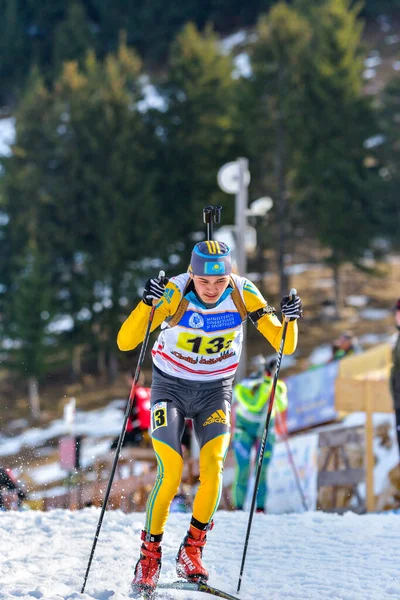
{"x":241,"y":200}
{"x":234,"y":178}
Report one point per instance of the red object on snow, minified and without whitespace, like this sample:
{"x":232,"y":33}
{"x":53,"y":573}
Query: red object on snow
{"x":140,"y":414}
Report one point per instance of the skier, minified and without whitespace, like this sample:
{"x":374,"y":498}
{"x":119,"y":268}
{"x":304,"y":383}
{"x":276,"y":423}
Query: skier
{"x":250,"y":403}
{"x":194,"y":361}
{"x":344,"y":345}
{"x":395,"y":373}
{"x":138,"y":423}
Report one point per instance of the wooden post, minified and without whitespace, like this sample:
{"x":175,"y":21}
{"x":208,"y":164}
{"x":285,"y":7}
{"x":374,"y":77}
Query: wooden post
{"x":349,"y":477}
{"x":369,"y":446}
{"x":335,"y":468}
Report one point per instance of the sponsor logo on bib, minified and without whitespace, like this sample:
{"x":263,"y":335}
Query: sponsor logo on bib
{"x":196,"y":321}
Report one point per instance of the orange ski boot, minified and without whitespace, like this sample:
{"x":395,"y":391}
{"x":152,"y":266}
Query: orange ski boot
{"x":147,"y":570}
{"x":188,"y":560}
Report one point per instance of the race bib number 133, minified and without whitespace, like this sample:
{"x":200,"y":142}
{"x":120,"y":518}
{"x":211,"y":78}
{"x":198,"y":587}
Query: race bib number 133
{"x":204,"y":345}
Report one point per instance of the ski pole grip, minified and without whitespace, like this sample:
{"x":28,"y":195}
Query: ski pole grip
{"x":161,"y":275}
{"x":292,"y":294}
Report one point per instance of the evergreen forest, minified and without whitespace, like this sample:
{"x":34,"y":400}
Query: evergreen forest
{"x":124,"y":112}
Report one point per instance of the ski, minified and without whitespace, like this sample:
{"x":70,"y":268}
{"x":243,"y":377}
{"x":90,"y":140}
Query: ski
{"x":150,"y":595}
{"x":196,"y":587}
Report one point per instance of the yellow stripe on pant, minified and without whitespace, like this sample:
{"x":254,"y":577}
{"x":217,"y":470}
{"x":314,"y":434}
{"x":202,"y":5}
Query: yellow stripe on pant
{"x":169,"y":473}
{"x":211,"y":462}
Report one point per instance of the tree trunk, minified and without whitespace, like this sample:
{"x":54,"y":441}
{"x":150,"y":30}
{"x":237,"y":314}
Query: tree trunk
{"x":112,"y":366}
{"x":338,"y":294}
{"x":34,"y":400}
{"x":76,"y":362}
{"x":101,"y":361}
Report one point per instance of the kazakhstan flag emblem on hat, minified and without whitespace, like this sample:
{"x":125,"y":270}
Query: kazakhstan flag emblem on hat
{"x":214,"y":268}
{"x":211,"y":258}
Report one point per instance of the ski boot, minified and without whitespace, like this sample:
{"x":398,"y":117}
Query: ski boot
{"x":188,"y":560}
{"x":147,"y":569}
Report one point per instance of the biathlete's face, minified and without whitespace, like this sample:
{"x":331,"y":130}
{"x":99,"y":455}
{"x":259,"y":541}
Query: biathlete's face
{"x":210,"y":289}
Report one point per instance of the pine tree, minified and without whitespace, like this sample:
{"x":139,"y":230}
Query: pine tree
{"x":332,"y":182}
{"x":271,"y":111}
{"x":83,"y":162}
{"x":13,"y":50}
{"x":387,"y":158}
{"x":198,"y":129}
{"x":26,"y":327}
{"x":73,"y":37}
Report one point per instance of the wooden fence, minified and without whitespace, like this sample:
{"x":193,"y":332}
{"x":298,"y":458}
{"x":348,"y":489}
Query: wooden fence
{"x":133,"y":480}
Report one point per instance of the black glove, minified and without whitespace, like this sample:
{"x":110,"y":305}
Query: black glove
{"x":292,"y":307}
{"x":154,"y":289}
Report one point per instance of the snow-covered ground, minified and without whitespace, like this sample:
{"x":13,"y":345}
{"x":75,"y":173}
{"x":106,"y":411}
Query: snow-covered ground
{"x":92,"y":424}
{"x":313,"y":556}
{"x":307,"y":556}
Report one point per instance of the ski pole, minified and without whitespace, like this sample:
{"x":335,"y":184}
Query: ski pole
{"x":292,"y":463}
{"x":292,"y":293}
{"x":211,"y":215}
{"x":122,"y":434}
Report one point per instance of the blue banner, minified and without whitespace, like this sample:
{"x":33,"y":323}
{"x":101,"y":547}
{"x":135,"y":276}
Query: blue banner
{"x":312,"y":397}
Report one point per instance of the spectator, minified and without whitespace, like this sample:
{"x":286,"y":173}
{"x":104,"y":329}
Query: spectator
{"x":345,"y":345}
{"x":395,"y":373}
{"x":257,"y":366}
{"x":9,"y":482}
{"x":138,"y":425}
{"x":251,"y":405}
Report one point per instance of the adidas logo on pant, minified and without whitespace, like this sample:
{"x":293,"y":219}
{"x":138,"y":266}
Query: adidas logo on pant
{"x":217,"y":417}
